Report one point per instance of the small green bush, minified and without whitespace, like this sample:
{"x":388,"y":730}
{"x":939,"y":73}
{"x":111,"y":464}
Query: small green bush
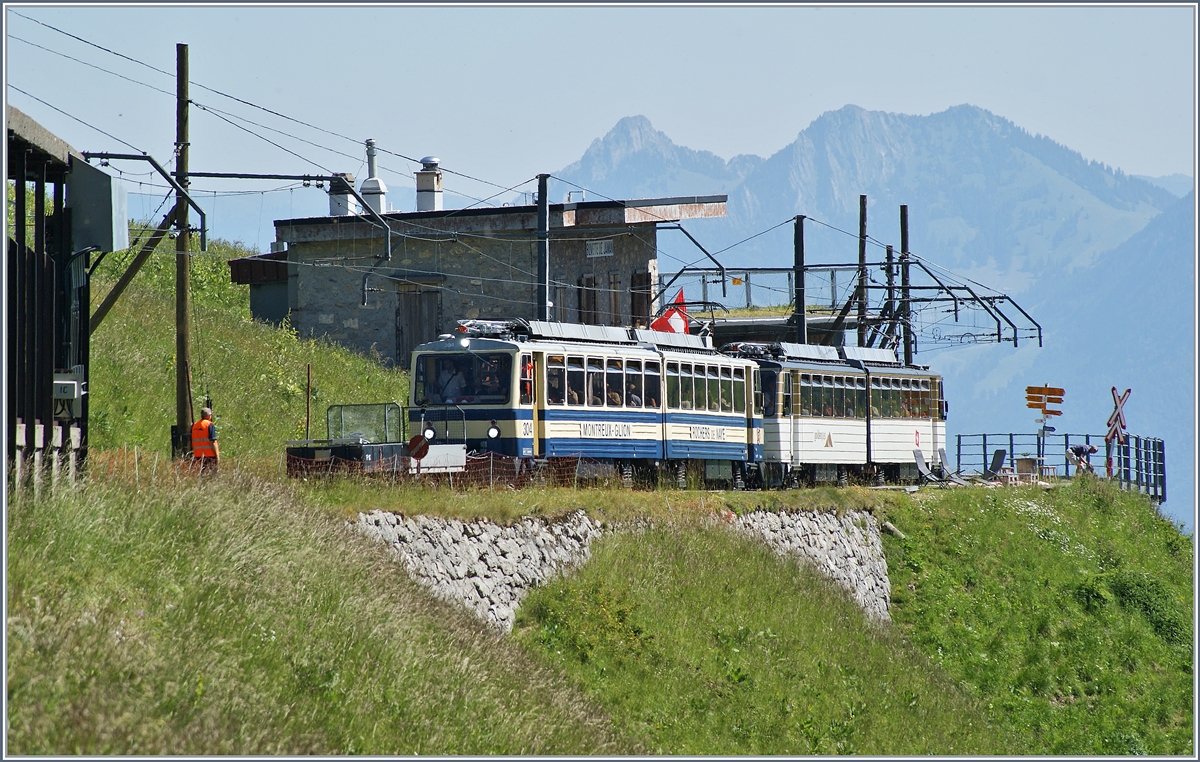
{"x":1142,"y":592}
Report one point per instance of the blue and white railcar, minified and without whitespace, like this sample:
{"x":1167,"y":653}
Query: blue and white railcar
{"x":631,"y":398}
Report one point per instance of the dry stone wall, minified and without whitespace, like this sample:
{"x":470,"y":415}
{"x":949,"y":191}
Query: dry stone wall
{"x":847,"y":549}
{"x":490,"y":568}
{"x":484,"y":566}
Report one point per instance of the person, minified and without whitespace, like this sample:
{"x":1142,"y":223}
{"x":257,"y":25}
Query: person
{"x":206,"y":453}
{"x":634,"y":398}
{"x":614,"y":398}
{"x":450,"y":382}
{"x":1082,"y":452}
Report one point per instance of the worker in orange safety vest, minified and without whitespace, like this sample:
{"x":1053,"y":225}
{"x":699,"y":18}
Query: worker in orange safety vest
{"x":205,"y":450}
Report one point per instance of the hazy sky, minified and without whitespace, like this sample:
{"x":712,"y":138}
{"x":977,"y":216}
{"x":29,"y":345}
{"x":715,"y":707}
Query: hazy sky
{"x":503,"y":93}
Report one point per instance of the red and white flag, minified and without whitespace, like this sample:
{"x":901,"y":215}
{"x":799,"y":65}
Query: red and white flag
{"x":675,"y":319}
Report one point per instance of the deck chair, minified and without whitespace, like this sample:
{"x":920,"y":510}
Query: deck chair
{"x":927,"y":476}
{"x":993,"y":471}
{"x":947,"y":474}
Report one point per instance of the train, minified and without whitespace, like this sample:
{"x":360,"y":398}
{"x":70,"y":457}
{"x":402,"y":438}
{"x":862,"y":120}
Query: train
{"x":653,"y":405}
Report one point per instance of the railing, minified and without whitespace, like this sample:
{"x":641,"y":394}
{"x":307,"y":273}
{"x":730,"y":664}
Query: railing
{"x":1138,"y":465}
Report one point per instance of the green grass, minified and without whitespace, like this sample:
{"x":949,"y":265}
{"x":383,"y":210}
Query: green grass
{"x":1070,"y":612}
{"x":697,"y":641}
{"x":228,"y":618}
{"x":256,"y":374}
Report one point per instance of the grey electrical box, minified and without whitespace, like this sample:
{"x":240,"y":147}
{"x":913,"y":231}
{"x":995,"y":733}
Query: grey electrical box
{"x":99,"y":208}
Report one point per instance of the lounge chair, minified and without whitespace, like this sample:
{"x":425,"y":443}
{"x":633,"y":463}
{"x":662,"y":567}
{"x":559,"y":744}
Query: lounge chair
{"x":993,"y":471}
{"x":927,"y":476}
{"x":950,"y":476}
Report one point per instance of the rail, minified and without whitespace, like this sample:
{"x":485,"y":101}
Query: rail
{"x":1138,"y":465}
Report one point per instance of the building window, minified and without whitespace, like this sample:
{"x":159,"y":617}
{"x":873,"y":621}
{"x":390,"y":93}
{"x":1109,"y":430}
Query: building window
{"x":639,"y":298}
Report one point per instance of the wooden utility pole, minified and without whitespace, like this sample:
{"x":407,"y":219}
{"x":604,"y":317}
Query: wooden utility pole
{"x":183,"y":353}
{"x":862,"y":270}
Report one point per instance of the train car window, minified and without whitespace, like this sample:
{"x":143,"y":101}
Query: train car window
{"x":756,"y":382}
{"x":785,"y":384}
{"x":818,"y":397}
{"x":526,"y":379}
{"x":860,"y":397}
{"x":876,"y":398}
{"x":892,"y":395}
{"x":739,"y":390}
{"x":615,"y":392}
{"x":701,"y":387}
{"x":576,"y":387}
{"x":769,"y":386}
{"x":906,"y":400}
{"x":827,"y":395}
{"x":839,"y":397}
{"x":685,"y":387}
{"x":714,"y":388}
{"x":726,"y":390}
{"x":805,"y":394}
{"x":672,"y":386}
{"x":633,"y":383}
{"x":595,"y":382}
{"x":556,"y":380}
{"x":653,"y":386}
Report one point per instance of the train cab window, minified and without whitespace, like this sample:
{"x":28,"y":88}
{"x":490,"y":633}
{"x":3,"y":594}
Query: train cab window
{"x":615,"y":392}
{"x":463,"y":379}
{"x":556,"y":380}
{"x":633,"y":383}
{"x":726,"y":390}
{"x":526,"y":379}
{"x":739,"y":390}
{"x":685,"y":386}
{"x":769,"y":385}
{"x":575,"y":384}
{"x":805,"y":386}
{"x":714,"y":388}
{"x":595,"y":382}
{"x":653,"y":387}
{"x":672,"y":386}
{"x":785,"y":384}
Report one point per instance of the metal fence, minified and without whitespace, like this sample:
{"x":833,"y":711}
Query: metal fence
{"x":1139,"y":464}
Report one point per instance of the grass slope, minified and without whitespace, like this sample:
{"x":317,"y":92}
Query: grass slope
{"x":255,"y":373}
{"x":1069,"y":612}
{"x":227,"y":618}
{"x":698,"y":641}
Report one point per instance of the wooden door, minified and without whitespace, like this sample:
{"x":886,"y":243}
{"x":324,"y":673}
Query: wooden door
{"x":418,"y":320}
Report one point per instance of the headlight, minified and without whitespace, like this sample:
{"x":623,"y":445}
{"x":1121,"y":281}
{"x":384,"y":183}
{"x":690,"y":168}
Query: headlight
{"x":430,"y":433}
{"x":493,"y":431}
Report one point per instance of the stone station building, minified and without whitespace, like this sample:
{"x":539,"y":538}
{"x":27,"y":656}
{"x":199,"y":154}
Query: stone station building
{"x":449,"y":265}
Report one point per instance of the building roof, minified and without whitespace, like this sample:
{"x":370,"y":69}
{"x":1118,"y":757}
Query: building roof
{"x":644,"y":211}
{"x":23,"y":129}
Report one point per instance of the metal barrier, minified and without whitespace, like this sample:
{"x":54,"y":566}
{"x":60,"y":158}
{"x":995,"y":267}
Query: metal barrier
{"x":1139,"y":465}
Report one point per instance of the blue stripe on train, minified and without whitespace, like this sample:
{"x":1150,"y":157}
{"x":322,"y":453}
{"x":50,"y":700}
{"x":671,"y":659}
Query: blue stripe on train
{"x":684,"y":448}
{"x":620,"y":449}
{"x":707,"y":419}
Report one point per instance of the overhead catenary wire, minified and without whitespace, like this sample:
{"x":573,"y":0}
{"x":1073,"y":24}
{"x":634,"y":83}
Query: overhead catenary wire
{"x":77,"y":119}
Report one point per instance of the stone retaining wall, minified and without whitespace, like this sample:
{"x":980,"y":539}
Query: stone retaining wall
{"x":847,"y":549}
{"x":490,"y":568}
{"x":486,"y":567}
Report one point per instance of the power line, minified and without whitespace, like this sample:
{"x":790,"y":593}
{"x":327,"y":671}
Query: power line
{"x":72,"y":116}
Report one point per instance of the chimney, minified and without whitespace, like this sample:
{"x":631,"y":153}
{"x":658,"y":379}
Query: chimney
{"x":373,"y":191}
{"x":341,"y":202}
{"x":429,"y":185}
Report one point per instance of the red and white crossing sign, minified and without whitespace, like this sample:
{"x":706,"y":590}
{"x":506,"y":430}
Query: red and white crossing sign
{"x":1116,"y":421}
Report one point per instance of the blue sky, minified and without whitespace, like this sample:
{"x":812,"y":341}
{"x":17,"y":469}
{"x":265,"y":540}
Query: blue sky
{"x":503,"y":93}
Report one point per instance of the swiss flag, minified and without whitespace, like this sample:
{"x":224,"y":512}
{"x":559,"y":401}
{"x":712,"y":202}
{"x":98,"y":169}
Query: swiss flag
{"x":675,"y":319}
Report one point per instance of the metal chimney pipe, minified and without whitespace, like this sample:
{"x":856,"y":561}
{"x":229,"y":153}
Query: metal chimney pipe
{"x":373,"y":190}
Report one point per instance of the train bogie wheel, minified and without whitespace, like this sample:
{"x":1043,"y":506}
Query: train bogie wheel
{"x":625,"y":470}
{"x":681,"y":474}
{"x":739,"y":476}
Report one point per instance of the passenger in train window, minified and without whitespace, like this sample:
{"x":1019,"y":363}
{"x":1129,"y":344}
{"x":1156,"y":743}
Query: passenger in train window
{"x":652,"y":385}
{"x":575,"y":381}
